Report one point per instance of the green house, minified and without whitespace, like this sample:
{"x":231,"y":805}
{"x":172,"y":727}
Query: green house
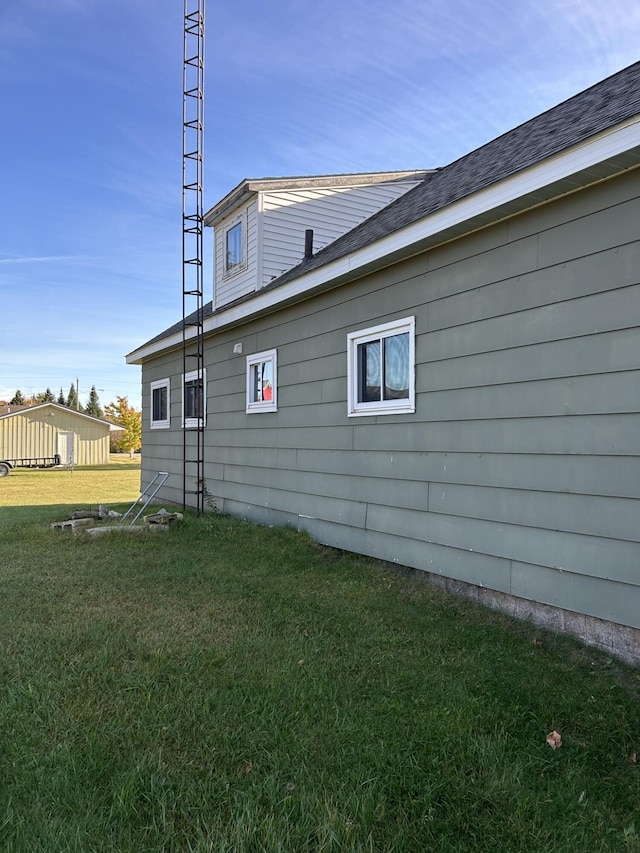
{"x":452,"y":384}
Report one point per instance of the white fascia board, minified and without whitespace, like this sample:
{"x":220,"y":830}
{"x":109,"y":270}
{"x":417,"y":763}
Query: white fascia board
{"x":137,"y":356}
{"x":607,"y":144}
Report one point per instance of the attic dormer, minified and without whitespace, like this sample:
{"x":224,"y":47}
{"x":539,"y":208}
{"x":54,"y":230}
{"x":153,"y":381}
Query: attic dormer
{"x":259,"y":227}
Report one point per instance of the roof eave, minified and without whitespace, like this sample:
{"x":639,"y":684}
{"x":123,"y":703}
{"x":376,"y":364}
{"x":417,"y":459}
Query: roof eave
{"x":252,"y":186}
{"x":27,"y":409}
{"x":610,"y":152}
{"x":237,"y":197}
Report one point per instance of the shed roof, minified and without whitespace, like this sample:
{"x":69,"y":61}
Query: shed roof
{"x":11,"y":411}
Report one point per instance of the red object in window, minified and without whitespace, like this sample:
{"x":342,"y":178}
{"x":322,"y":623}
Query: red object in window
{"x":267,"y":391}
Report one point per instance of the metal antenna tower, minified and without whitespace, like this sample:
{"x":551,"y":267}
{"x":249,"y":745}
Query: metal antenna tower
{"x":192,"y":252}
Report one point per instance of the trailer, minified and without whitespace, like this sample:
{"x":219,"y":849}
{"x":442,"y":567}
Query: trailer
{"x":6,"y":465}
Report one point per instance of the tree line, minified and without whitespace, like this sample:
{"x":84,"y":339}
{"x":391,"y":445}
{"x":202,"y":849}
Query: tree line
{"x":120,"y":413}
{"x":71,"y":400}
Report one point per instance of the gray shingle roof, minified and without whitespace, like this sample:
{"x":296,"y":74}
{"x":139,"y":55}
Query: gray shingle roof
{"x":613,"y":100}
{"x":606,"y":104}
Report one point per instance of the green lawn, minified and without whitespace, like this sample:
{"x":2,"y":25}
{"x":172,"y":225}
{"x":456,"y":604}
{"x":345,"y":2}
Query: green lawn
{"x":86,"y":486}
{"x":236,"y":689}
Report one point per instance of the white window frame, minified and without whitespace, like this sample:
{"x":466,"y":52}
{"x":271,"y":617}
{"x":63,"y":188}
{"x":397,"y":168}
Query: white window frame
{"x":406,"y":405}
{"x":268,"y":356}
{"x":239,"y":219}
{"x":191,"y":376}
{"x":162,"y":423}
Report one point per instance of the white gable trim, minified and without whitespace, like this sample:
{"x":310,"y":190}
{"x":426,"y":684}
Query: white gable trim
{"x":23,"y":410}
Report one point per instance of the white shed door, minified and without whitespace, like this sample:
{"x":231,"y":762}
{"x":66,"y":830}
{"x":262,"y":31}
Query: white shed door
{"x":67,"y":448}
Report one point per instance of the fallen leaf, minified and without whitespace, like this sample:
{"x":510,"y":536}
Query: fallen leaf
{"x":301,"y":661}
{"x":634,"y":758}
{"x":554,"y":740}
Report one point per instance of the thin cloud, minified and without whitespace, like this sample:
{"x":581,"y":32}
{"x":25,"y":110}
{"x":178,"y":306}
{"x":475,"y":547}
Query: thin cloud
{"x":37,"y":259}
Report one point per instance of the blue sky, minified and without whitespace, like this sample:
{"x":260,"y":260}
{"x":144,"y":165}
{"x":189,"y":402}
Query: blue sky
{"x":91,"y":144}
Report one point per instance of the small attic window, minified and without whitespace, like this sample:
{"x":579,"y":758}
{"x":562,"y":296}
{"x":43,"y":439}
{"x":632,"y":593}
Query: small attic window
{"x":235,"y":245}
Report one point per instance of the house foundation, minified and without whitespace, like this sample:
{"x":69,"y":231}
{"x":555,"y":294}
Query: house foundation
{"x":620,"y":641}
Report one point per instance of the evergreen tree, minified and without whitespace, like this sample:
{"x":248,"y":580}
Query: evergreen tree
{"x":45,"y":396}
{"x":93,"y":405}
{"x":18,"y":399}
{"x":131,"y":419}
{"x":72,"y":397}
{"x":61,"y":400}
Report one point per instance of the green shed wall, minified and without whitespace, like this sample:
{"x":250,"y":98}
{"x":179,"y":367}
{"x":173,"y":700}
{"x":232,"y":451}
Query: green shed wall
{"x":520,"y":469}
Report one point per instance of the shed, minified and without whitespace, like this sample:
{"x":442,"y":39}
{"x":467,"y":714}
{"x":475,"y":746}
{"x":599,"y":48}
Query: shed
{"x":49,"y":429}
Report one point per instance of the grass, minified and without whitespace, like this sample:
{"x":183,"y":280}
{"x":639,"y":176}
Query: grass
{"x":50,"y":490}
{"x":226,"y":687}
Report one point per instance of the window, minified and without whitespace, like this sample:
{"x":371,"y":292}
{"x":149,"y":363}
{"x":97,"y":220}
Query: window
{"x":235,"y":256}
{"x":194,"y":399}
{"x":160,"y":401}
{"x":381,"y":368}
{"x":262,"y":369}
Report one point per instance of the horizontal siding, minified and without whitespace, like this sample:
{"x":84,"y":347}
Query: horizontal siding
{"x":582,"y":594}
{"x":601,"y":393}
{"x":590,"y":555}
{"x":228,"y":289}
{"x":329,"y":212}
{"x":600,"y":312}
{"x":579,"y":277}
{"x":464,"y":565}
{"x":520,"y":469}
{"x":592,"y":515}
{"x":346,"y":512}
{"x":581,"y":475}
{"x":605,"y":517}
{"x":607,"y":435}
{"x":402,"y":493}
{"x":585,"y":355}
{"x":162,"y":449}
